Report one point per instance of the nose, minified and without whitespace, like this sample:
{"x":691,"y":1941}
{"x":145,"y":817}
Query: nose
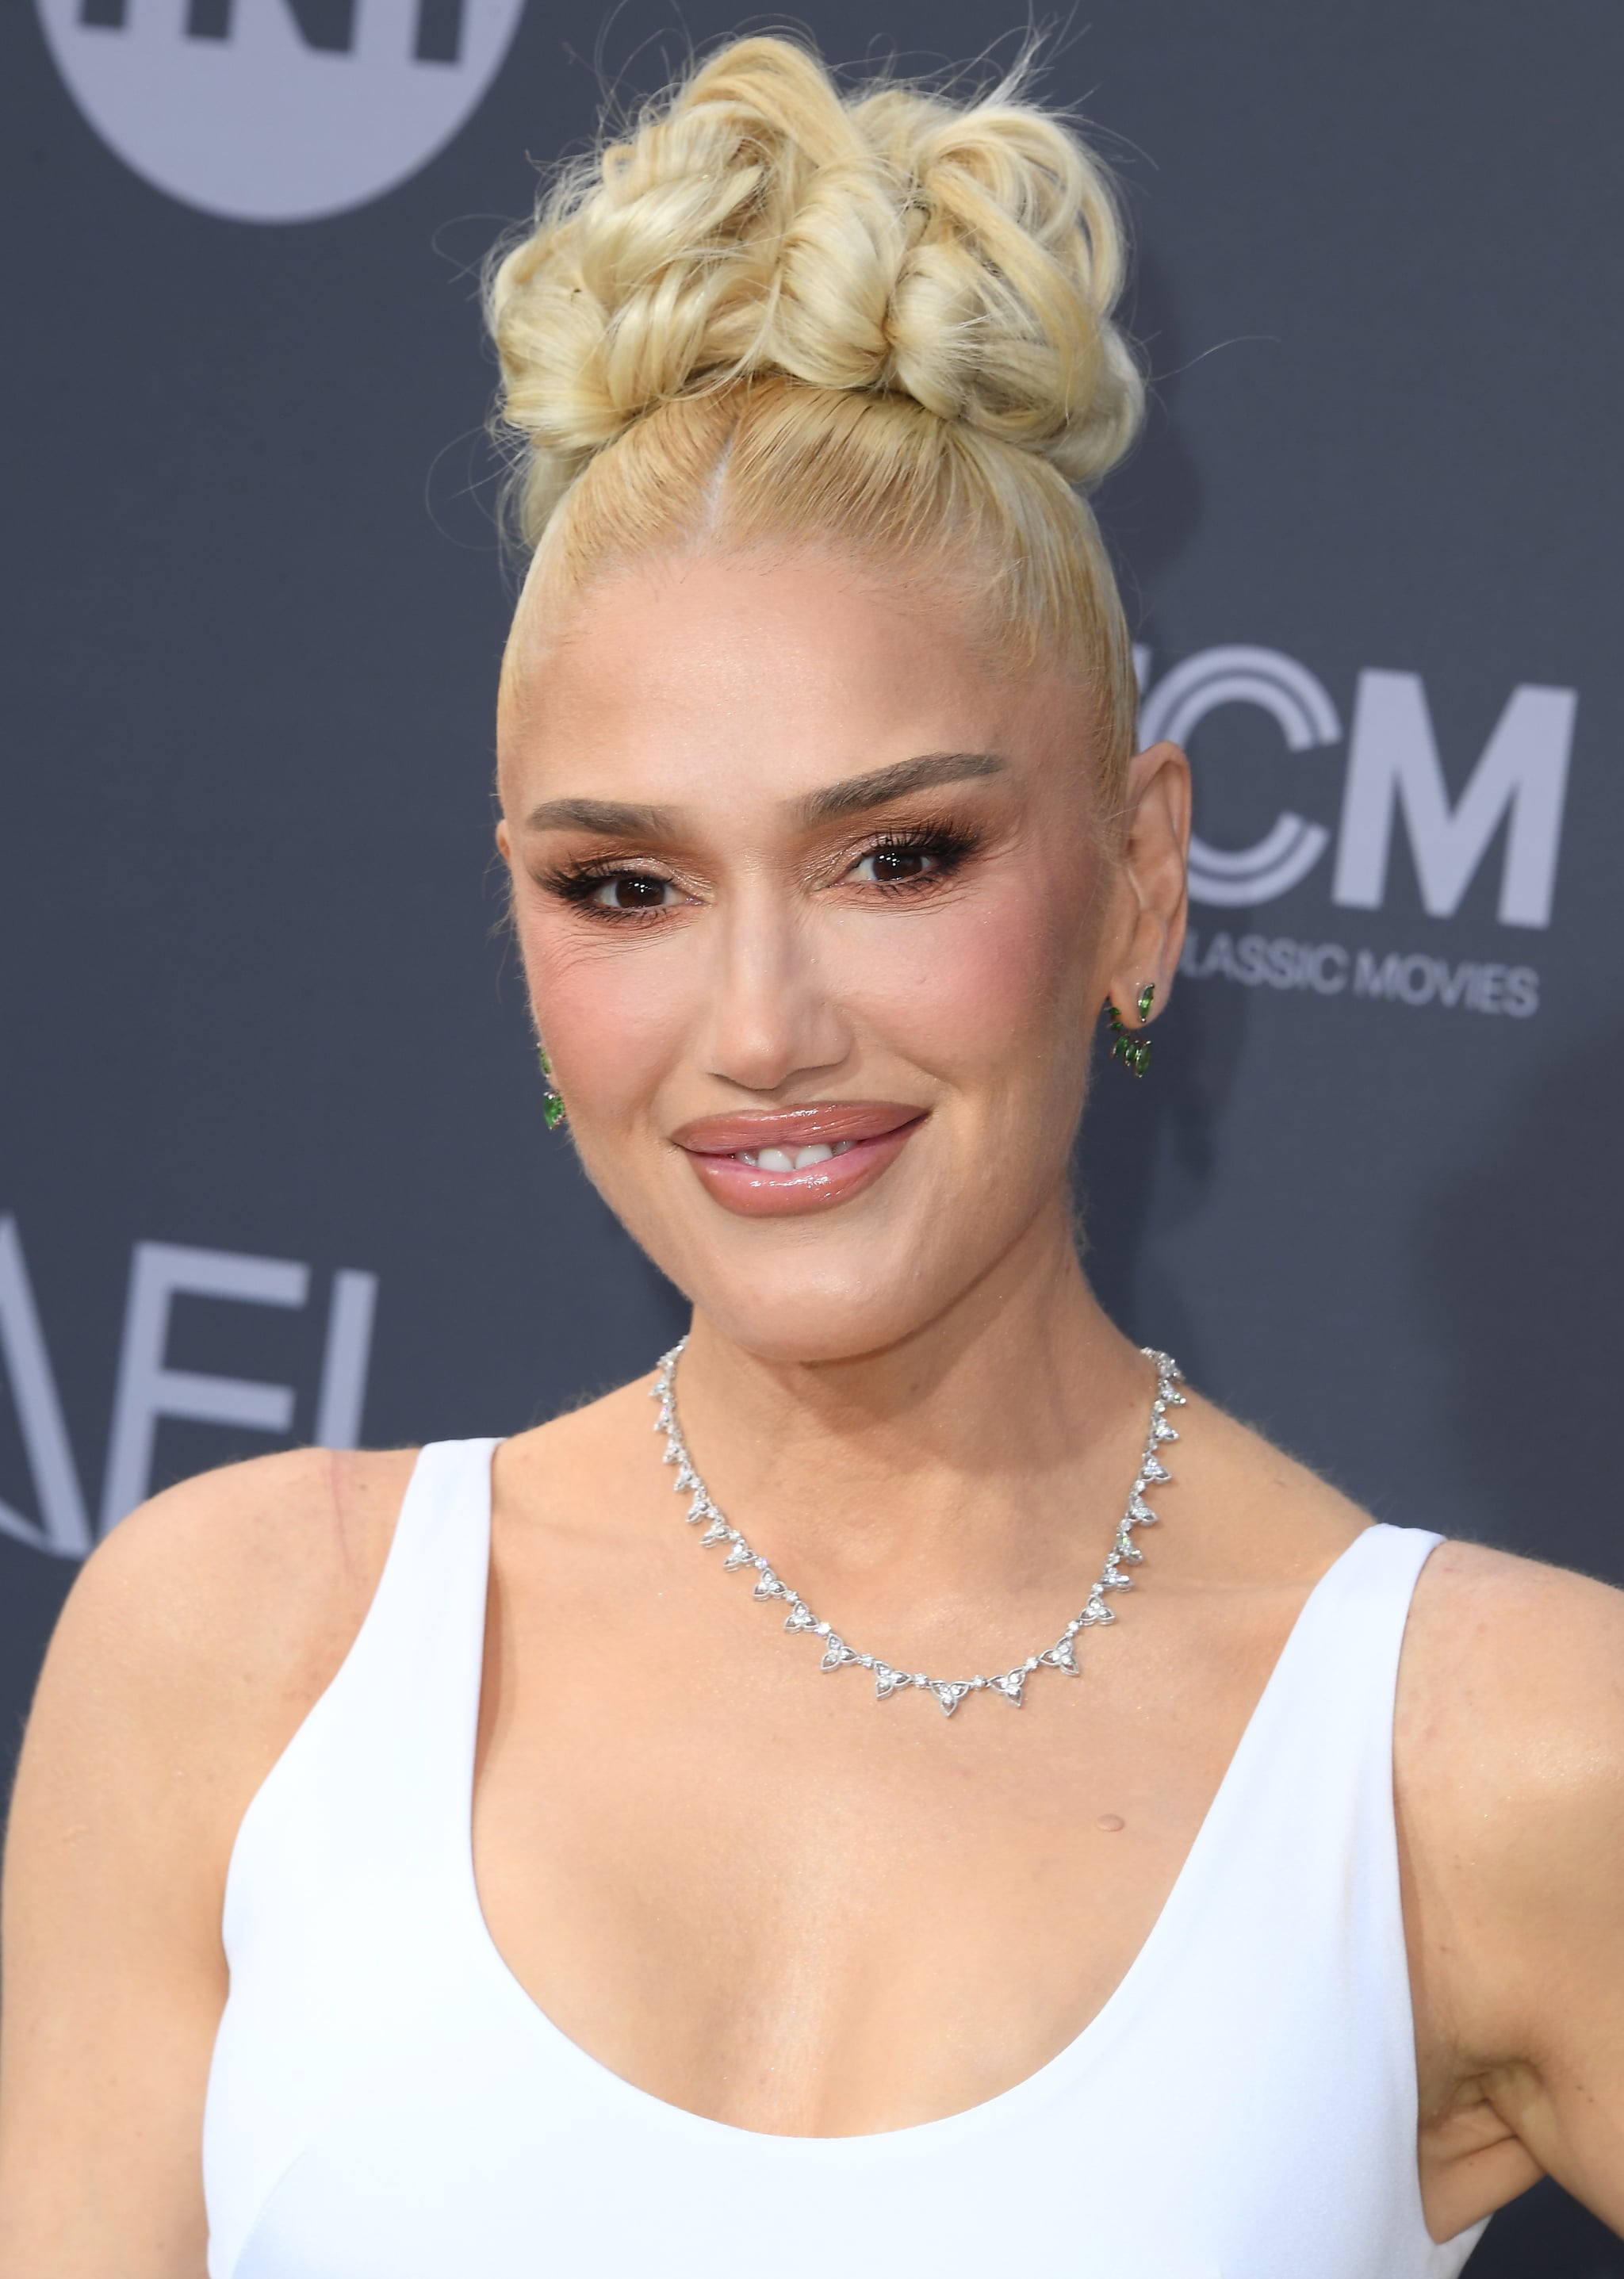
{"x":770,"y":1016}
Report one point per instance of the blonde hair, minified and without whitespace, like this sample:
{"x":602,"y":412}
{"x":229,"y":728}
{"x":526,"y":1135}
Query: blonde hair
{"x":881,"y":318}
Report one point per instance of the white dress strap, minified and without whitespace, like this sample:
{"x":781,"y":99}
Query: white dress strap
{"x":365,"y":1815}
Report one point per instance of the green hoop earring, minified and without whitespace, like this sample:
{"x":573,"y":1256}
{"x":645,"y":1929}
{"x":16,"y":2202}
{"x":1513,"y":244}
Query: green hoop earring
{"x":552,"y":1100}
{"x":1131,"y":1046}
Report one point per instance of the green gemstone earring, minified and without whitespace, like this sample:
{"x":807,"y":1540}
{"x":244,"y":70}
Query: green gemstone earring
{"x":552,"y":1098}
{"x":1131,"y":1046}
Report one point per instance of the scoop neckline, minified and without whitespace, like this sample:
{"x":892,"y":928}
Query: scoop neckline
{"x":1081,"y":2052}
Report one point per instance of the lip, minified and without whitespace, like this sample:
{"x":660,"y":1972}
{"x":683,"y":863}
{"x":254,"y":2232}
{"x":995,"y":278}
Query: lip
{"x":872,"y":1134}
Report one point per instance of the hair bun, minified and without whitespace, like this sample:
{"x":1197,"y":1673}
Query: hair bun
{"x":757,"y":223}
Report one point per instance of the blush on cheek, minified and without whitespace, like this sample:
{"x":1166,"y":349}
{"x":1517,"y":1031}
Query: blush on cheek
{"x":612,"y":1029}
{"x":978,"y":980}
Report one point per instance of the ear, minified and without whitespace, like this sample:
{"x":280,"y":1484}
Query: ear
{"x":1154,"y":873}
{"x":504,"y":840}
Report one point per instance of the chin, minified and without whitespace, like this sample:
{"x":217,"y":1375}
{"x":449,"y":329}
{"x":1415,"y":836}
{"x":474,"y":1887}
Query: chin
{"x":792,"y":1319}
{"x":831,"y":1292}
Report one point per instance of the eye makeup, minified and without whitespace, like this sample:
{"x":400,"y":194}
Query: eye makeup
{"x":911,"y":857}
{"x":900,"y":860}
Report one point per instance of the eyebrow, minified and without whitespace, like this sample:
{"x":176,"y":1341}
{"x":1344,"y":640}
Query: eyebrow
{"x":611,"y":818}
{"x":858,"y":794}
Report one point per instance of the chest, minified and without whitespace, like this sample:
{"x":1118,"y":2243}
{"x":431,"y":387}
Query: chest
{"x":766,"y":1896}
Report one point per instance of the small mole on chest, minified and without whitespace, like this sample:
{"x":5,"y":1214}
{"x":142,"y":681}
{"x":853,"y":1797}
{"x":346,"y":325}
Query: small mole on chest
{"x":1111,"y":1822}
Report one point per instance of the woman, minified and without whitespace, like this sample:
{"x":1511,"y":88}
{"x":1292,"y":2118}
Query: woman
{"x":457,"y":1864}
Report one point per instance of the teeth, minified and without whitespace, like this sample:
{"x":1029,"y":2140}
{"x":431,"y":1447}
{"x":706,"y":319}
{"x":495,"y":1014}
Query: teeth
{"x":800,"y":1159}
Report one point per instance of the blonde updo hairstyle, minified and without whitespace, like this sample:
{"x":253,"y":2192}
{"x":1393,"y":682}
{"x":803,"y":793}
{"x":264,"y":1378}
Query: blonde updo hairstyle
{"x":880,"y":319}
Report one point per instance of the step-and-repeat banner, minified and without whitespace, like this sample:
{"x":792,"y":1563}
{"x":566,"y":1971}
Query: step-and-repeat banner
{"x":272,"y":1161}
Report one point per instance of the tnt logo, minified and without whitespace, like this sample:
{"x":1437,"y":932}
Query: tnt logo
{"x":277,"y":110}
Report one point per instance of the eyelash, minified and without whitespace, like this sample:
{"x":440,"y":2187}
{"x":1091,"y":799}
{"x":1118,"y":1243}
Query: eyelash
{"x":948,"y":845}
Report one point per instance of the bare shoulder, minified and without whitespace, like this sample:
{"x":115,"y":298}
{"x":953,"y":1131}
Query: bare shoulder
{"x":189,"y":1650}
{"x":222,"y":1608}
{"x":1512,"y":1690}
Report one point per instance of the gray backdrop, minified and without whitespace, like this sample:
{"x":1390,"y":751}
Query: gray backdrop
{"x":263,"y":1059}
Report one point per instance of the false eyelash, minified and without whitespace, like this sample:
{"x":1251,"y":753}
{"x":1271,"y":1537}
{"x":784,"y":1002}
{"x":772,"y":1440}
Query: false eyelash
{"x":949,"y":843}
{"x":578,"y":882}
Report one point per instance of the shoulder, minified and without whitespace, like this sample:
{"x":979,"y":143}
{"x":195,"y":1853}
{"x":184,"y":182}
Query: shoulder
{"x":1514,"y":1673}
{"x":215,"y":1614}
{"x":231,"y":1553}
{"x":1509,"y":1777}
{"x":190,"y":1648}
{"x":1512,"y":1690}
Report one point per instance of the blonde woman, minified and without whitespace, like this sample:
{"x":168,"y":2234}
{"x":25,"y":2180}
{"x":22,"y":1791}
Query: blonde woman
{"x":998,"y":1814}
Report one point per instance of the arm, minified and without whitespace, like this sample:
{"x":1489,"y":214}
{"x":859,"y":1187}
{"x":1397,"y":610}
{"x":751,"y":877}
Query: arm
{"x":189,"y":1651}
{"x":1510,"y":1766}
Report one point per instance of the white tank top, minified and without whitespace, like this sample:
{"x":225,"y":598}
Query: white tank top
{"x":385,"y":2101}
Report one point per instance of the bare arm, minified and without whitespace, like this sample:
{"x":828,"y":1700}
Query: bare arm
{"x":189,"y":1651}
{"x":1511,"y":1781}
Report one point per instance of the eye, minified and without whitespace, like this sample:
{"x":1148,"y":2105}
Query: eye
{"x":895,"y":866}
{"x":633,"y":890}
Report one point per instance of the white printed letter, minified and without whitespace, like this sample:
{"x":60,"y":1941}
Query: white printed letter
{"x":64,"y":1526}
{"x":1289,"y":693}
{"x":344,"y":1370}
{"x":1393,"y":764}
{"x":148,"y":1390}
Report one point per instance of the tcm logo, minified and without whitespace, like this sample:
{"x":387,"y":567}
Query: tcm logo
{"x":1394,"y":784}
{"x":277,"y":110}
{"x":149,"y":1388}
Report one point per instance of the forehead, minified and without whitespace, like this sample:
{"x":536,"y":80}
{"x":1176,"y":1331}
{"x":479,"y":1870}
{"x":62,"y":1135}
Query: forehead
{"x":727,"y":674}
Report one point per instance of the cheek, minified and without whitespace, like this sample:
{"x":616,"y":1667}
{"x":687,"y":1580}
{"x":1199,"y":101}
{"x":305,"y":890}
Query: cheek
{"x":613,"y":1023}
{"x":987,"y":978}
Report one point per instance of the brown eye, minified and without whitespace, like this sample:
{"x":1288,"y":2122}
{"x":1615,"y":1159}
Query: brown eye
{"x":895,"y":866}
{"x":633,"y":890}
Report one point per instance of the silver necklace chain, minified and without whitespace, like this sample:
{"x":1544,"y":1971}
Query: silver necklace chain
{"x":888,"y":1679}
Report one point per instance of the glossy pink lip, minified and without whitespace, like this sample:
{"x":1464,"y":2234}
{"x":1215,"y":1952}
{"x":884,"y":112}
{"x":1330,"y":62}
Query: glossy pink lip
{"x":875,"y":1132}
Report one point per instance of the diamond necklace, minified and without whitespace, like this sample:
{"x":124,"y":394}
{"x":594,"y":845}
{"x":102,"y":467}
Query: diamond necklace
{"x":837,"y":1654}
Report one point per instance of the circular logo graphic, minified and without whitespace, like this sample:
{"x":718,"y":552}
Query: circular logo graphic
{"x":277,"y":110}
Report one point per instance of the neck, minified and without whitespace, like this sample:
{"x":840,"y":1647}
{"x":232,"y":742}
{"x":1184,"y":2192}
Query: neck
{"x":997,"y":1422}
